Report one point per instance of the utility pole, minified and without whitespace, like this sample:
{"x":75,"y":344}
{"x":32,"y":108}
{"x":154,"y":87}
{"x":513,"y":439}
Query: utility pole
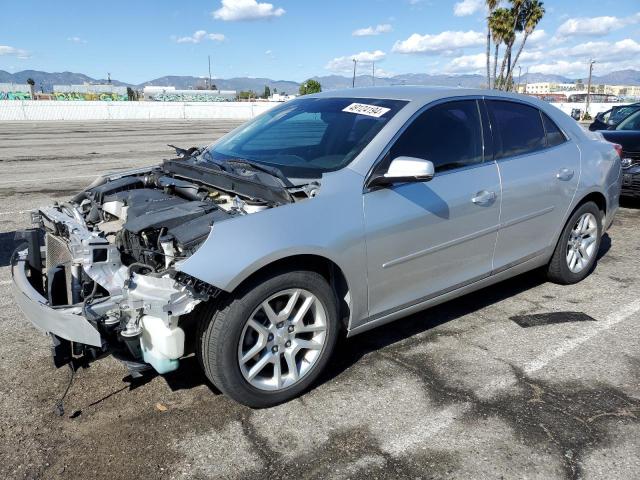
{"x":373,"y":73}
{"x":586,"y":110}
{"x":519,"y":77}
{"x":353,"y":83}
{"x":209,"y":56}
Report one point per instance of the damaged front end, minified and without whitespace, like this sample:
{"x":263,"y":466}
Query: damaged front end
{"x":101,"y":273}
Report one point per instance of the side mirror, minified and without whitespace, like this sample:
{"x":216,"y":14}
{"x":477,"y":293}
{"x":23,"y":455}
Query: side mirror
{"x":405,"y":170}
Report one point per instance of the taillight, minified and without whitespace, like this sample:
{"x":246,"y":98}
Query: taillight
{"x":618,"y":149}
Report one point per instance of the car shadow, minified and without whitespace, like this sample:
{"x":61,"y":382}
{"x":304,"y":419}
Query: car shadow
{"x":351,"y":350}
{"x":8,"y":245}
{"x":630,"y":202}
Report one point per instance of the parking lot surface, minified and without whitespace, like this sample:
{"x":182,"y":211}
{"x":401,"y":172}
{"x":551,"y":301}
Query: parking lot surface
{"x":525,"y":379}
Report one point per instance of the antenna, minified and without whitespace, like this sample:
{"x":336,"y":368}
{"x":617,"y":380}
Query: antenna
{"x":353,"y":83}
{"x":209,"y":56}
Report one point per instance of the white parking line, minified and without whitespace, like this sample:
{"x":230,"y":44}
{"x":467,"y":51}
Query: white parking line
{"x":46,"y":179}
{"x":17,"y":212}
{"x":447,"y":416}
{"x":569,"y":345}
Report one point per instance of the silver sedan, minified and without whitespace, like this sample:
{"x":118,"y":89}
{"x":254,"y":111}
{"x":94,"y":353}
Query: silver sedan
{"x":328,"y":215}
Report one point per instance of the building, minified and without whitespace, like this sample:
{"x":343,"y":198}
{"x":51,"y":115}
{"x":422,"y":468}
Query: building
{"x":171,"y":94}
{"x":546,"y":87}
{"x":15,"y":91}
{"x":90,"y":92}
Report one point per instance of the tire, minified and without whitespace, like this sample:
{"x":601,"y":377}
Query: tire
{"x":559,"y":268}
{"x":225,"y":325}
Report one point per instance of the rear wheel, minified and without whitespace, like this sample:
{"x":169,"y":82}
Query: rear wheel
{"x":271,"y":340}
{"x":577,"y":250}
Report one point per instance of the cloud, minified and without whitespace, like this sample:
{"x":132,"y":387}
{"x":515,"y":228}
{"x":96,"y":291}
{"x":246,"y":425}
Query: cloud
{"x":76,"y":40}
{"x":476,"y":63}
{"x":371,"y":31}
{"x":623,"y":50}
{"x":345,"y":64}
{"x":467,"y":7}
{"x":535,"y":39}
{"x":381,"y":73}
{"x":595,"y":26}
{"x":14,"y":52}
{"x":200,"y":36}
{"x":442,"y":42}
{"x":238,"y":10}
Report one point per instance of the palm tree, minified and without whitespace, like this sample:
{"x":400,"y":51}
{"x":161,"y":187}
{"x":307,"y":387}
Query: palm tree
{"x":500,"y":23}
{"x":516,"y":25}
{"x":491,"y":6}
{"x":531,"y":15}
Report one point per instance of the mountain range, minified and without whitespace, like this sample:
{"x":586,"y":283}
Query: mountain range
{"x":45,"y":80}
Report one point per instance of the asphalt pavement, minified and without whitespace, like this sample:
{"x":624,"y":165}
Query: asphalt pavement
{"x":525,"y":379}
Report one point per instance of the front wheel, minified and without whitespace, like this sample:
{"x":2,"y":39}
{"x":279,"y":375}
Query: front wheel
{"x":271,"y":340}
{"x":577,"y":249}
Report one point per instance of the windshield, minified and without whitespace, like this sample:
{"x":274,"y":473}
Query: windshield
{"x":632,"y":122}
{"x":621,"y":113}
{"x":306,"y":137}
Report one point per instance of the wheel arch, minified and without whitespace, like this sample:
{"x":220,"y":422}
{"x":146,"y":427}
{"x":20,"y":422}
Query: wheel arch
{"x":320,"y":264}
{"x":596,"y":197}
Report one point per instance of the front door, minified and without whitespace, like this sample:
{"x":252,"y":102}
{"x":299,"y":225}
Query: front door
{"x":424,"y":239}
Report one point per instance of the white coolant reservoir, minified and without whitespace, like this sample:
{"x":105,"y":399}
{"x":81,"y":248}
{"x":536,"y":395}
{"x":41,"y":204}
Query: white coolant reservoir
{"x":162,"y":345}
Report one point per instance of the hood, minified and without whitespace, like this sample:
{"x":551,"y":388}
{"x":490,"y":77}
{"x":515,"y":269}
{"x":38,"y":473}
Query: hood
{"x":162,"y":214}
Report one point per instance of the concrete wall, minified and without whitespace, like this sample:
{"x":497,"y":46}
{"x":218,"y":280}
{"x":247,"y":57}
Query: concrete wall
{"x":594,"y":108}
{"x":14,"y":110}
{"x":21,"y":110}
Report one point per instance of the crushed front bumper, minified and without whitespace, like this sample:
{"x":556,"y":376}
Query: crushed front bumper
{"x":65,"y":322}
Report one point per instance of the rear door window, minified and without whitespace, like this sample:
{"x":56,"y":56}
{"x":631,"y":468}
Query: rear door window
{"x":449,"y":135}
{"x":517,"y":128}
{"x":554,"y":134}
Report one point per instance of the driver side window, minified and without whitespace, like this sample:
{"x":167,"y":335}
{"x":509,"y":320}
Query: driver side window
{"x":449,"y":135}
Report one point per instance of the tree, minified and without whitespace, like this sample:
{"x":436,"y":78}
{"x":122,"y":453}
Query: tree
{"x":510,"y":38}
{"x":500,"y":24}
{"x":247,"y":95}
{"x":531,"y":15}
{"x":491,"y":6}
{"x":31,"y":82}
{"x":309,"y":87}
{"x":267,"y":91}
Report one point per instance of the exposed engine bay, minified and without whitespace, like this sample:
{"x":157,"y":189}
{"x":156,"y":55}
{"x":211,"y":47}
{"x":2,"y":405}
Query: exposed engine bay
{"x":112,"y":253}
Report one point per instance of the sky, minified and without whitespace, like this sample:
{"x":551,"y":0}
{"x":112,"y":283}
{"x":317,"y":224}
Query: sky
{"x":136,"y":41}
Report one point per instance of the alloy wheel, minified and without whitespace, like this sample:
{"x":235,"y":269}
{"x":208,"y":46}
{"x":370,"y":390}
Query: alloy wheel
{"x":282,"y":339}
{"x":581,"y":246}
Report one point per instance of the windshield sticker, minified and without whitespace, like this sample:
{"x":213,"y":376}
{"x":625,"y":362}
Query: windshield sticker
{"x":364,"y":109}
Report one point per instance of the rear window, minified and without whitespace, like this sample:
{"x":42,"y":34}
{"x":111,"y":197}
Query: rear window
{"x":517,"y":128}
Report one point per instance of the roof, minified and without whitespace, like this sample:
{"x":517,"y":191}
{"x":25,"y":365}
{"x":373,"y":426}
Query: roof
{"x":417,"y":93}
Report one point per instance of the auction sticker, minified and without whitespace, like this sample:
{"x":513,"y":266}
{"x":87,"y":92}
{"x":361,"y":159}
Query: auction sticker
{"x":364,"y":109}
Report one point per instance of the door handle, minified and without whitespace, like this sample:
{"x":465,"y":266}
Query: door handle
{"x":565,"y":174}
{"x":484,"y":198}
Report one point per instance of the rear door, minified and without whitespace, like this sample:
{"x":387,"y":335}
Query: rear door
{"x":539,"y":168}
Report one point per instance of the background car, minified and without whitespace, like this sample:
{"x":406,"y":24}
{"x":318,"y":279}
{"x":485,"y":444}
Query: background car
{"x":627,"y":135}
{"x":610,"y":119}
